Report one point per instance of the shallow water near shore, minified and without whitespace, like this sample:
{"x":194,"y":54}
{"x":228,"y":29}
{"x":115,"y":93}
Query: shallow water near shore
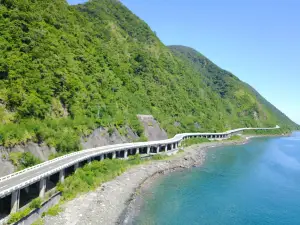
{"x":256,"y":183}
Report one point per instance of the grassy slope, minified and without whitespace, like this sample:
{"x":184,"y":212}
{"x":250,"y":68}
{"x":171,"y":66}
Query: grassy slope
{"x":65,"y":70}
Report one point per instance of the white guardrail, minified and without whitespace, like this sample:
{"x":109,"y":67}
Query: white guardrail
{"x":102,"y":150}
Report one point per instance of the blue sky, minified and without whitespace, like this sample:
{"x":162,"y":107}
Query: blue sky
{"x":257,"y":40}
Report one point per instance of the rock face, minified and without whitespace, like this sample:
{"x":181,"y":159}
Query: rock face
{"x":40,"y":151}
{"x":101,"y":137}
{"x":6,"y":166}
{"x":152,"y":129}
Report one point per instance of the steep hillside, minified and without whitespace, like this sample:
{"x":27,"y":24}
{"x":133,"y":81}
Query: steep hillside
{"x":232,"y":90}
{"x":66,"y":70}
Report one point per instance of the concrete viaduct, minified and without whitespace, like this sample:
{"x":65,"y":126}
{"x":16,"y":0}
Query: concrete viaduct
{"x":18,"y":189}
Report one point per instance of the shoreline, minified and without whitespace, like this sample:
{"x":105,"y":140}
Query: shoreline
{"x":118,"y":201}
{"x":136,"y":201}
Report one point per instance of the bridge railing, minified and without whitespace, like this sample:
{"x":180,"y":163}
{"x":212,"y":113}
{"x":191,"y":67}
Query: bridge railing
{"x":103,"y":150}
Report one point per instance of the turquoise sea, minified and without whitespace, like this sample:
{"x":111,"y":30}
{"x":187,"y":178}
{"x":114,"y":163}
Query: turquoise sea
{"x":252,"y":184}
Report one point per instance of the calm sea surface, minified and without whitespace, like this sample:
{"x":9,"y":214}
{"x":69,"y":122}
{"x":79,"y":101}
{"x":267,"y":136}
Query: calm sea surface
{"x":257,"y":183}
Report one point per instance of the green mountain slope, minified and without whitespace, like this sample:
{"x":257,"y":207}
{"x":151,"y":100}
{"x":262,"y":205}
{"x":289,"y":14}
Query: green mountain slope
{"x":65,"y":70}
{"x":231,"y":89}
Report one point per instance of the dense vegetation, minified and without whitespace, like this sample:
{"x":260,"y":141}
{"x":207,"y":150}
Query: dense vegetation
{"x":93,"y":175}
{"x":22,"y":160}
{"x":267,"y":132}
{"x":65,"y":70}
{"x":193,"y":141}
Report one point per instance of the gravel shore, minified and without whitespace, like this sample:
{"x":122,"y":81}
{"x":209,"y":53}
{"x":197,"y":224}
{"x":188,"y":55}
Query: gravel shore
{"x":116,"y":202}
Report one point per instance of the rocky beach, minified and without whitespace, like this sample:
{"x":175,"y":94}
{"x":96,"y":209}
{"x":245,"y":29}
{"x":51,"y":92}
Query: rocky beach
{"x":117,"y":201}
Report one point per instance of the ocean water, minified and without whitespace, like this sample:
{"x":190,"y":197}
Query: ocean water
{"x":252,"y":184}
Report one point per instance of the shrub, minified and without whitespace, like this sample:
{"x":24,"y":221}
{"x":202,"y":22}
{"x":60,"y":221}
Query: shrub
{"x":53,"y":211}
{"x":18,"y":215}
{"x":36,"y":203}
{"x":193,"y":141}
{"x":23,"y":160}
{"x":14,"y":157}
{"x":135,"y":159}
{"x":142,"y":138}
{"x":27,"y":160}
{"x":110,"y":131}
{"x":235,"y":138}
{"x":159,"y":157}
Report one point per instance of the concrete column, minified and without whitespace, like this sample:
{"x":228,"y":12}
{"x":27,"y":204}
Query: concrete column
{"x":101,"y":157}
{"x":76,"y":166}
{"x":15,"y":201}
{"x":148,"y":150}
{"x":26,"y":189}
{"x":42,"y":187}
{"x":89,"y":160}
{"x":114,"y":155}
{"x":125,"y":154}
{"x":166,"y":148}
{"x":62,"y":176}
{"x":157,"y":149}
{"x":137,"y":151}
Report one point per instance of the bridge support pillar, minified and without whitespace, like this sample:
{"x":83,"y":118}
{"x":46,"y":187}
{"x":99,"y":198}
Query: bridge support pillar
{"x":15,"y":201}
{"x":76,"y":167}
{"x":89,"y":160}
{"x":148,"y":150}
{"x":166,"y":148}
{"x":137,"y":151}
{"x":26,"y":189}
{"x":157,"y":149}
{"x":101,"y":157}
{"x":62,"y":176}
{"x":42,"y":188}
{"x":114,"y":155}
{"x":125,"y":154}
